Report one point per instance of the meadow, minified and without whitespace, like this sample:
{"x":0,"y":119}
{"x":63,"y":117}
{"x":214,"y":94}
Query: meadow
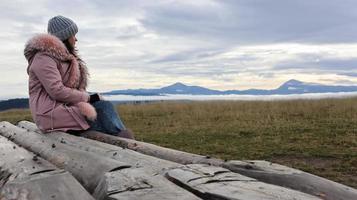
{"x":317,"y":136}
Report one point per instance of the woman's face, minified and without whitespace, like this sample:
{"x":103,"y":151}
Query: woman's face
{"x":72,"y":40}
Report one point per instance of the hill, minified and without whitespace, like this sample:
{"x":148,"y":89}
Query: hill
{"x":14,"y":103}
{"x":290,"y":87}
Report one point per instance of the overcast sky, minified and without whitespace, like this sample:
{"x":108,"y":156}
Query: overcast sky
{"x":223,"y":44}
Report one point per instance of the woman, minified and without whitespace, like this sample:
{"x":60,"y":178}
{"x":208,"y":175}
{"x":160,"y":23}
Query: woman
{"x":57,"y":85}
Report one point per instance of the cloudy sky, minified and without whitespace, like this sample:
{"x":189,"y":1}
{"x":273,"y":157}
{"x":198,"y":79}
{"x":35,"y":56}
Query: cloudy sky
{"x":220,"y":44}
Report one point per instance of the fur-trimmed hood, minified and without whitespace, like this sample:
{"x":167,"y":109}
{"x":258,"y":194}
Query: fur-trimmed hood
{"x":55,"y":48}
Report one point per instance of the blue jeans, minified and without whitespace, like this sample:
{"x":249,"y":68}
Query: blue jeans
{"x":108,"y":120}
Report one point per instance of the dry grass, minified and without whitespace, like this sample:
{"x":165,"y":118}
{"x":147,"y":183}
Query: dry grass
{"x":318,"y":136}
{"x":15,"y":115}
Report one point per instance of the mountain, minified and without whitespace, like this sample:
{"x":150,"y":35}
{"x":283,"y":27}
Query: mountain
{"x":177,"y":88}
{"x":290,"y":87}
{"x":14,"y":103}
{"x":298,"y":87}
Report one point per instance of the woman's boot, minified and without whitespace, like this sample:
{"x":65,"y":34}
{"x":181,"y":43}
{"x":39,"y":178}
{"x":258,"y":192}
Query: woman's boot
{"x":127,"y":133}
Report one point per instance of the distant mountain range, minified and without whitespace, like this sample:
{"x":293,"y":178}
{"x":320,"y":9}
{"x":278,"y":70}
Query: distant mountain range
{"x":290,"y":87}
{"x":14,"y":103}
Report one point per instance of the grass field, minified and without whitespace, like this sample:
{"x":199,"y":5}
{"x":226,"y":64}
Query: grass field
{"x":317,"y":136}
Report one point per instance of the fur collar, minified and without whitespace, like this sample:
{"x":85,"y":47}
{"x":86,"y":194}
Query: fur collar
{"x":55,"y":48}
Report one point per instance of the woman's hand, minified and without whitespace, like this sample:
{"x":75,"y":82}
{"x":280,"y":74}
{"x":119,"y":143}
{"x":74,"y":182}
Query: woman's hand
{"x":94,"y":98}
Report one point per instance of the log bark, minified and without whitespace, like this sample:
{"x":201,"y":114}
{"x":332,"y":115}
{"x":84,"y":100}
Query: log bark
{"x":27,"y":176}
{"x":209,"y":182}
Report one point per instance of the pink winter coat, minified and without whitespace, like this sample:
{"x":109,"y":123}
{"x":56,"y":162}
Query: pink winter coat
{"x":57,"y":86}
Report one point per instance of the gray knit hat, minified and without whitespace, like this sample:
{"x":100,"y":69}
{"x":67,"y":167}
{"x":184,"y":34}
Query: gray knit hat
{"x":62,"y":27}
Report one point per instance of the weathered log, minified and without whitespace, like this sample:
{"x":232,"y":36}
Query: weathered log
{"x":56,"y":185}
{"x":209,"y":182}
{"x":152,"y":164}
{"x":124,"y":183}
{"x":260,"y":170}
{"x":135,"y":183}
{"x":27,"y":176}
{"x":292,"y":178}
{"x":152,"y":150}
{"x":142,"y":147}
{"x":297,"y":180}
{"x":305,"y":182}
{"x":20,"y":162}
{"x":116,"y":152}
{"x":88,"y":168}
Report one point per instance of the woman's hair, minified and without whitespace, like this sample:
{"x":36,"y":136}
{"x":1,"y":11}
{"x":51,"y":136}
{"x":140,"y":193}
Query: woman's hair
{"x":73,"y":50}
{"x":69,"y":47}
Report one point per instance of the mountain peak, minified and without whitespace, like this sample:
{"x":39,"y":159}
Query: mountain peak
{"x":180,"y":88}
{"x":293,"y":82}
{"x":178,"y":84}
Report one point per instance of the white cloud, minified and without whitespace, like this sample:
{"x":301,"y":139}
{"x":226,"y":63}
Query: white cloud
{"x":218,"y":44}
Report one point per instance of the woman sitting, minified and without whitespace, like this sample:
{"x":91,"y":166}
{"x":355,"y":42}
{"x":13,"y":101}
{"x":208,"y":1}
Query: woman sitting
{"x":58,"y":80}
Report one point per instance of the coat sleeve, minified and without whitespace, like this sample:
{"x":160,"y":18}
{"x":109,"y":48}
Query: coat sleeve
{"x":45,"y":69}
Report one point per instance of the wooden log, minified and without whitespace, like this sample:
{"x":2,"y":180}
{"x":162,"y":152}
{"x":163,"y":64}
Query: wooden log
{"x":88,"y":168}
{"x":135,"y":183}
{"x":152,"y":150}
{"x":147,"y":170}
{"x":142,"y":147}
{"x":27,"y":176}
{"x":114,"y":152}
{"x":56,"y":185}
{"x":151,"y":164}
{"x":306,"y":182}
{"x":133,"y":158}
{"x":292,"y":178}
{"x":20,"y":162}
{"x":209,"y":182}
{"x":260,"y":170}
